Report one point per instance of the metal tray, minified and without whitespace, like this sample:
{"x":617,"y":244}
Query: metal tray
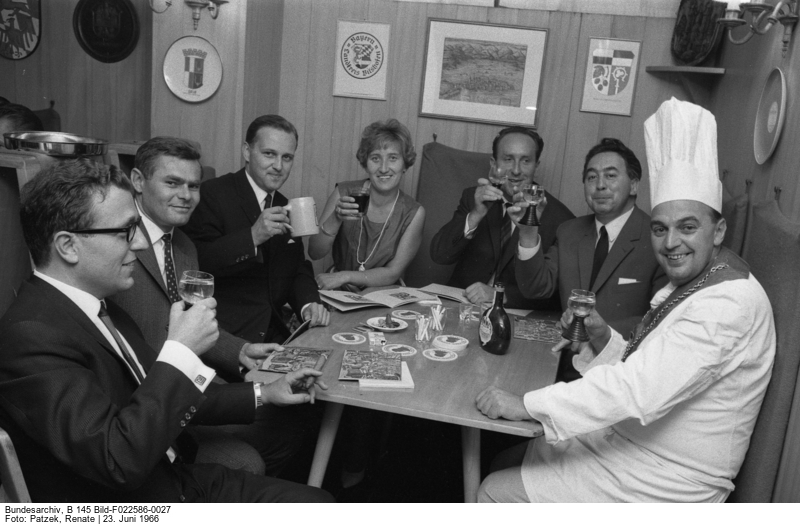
{"x":56,"y":144}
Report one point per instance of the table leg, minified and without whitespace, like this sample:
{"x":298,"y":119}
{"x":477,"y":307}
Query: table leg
{"x":327,"y":435}
{"x":471,"y":462}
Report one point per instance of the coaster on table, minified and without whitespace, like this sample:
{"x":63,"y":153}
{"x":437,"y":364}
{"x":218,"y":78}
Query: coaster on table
{"x":405,"y":314}
{"x":349,"y":338}
{"x":453,"y":343}
{"x":400,"y":349}
{"x":439,"y":355}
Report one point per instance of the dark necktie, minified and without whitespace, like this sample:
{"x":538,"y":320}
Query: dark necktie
{"x":267,"y":202}
{"x":122,"y":346}
{"x":600,"y":253}
{"x":169,"y":269}
{"x":505,"y":229}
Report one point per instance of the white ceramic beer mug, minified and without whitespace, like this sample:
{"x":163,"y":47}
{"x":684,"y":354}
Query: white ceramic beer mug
{"x":303,"y":216}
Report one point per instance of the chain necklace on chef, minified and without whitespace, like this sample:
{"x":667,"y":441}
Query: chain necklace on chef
{"x":635,"y":340}
{"x":361,"y":229}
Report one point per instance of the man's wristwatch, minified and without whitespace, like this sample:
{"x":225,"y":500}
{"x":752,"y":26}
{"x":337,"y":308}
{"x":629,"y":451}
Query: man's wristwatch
{"x":257,"y":390}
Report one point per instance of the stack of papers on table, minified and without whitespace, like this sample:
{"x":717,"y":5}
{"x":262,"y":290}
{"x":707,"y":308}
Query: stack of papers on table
{"x":448,"y":292}
{"x":291,"y":359}
{"x":375,"y":370}
{"x":405,"y":383}
{"x":394,"y":297}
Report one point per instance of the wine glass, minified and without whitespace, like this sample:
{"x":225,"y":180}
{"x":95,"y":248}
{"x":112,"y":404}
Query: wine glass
{"x":582,"y":303}
{"x":497,"y":177}
{"x":533,"y":194}
{"x":195,"y":286}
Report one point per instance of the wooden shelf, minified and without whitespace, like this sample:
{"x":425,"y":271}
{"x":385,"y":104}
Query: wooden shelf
{"x":686,"y":69}
{"x":696,"y":81}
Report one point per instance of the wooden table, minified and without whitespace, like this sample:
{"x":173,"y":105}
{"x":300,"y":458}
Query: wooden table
{"x":444,"y":391}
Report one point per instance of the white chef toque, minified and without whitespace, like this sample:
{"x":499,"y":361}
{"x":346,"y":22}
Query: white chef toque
{"x":681,"y":141}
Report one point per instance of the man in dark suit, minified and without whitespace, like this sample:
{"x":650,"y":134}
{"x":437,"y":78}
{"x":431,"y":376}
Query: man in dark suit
{"x":94,"y":412}
{"x":166,"y":181}
{"x":474,"y":238}
{"x":607,"y":252}
{"x":243,"y":238}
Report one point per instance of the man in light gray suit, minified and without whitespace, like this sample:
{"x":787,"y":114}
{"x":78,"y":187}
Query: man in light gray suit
{"x":166,"y":179}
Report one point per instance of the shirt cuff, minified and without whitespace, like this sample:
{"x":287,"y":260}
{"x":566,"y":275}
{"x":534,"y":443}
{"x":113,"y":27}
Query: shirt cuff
{"x":303,"y":311}
{"x":467,"y":232}
{"x":179,"y":356}
{"x":536,"y":405}
{"x":523,"y":254}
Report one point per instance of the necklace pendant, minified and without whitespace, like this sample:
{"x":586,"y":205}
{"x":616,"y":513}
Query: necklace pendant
{"x":361,"y":268}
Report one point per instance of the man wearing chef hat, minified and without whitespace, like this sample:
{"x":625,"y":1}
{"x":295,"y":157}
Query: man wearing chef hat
{"x":666,"y":416}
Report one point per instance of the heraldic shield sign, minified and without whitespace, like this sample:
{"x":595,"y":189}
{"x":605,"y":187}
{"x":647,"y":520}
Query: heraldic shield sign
{"x":20,"y":28}
{"x":192,"y":69}
{"x":610,"y":76}
{"x":108,"y":30}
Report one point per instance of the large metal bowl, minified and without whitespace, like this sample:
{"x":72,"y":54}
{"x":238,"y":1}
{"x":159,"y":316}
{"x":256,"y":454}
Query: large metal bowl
{"x":55,"y":143}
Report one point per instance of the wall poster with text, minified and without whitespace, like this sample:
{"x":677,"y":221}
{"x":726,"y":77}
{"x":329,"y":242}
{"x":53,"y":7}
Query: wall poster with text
{"x":362,"y":49}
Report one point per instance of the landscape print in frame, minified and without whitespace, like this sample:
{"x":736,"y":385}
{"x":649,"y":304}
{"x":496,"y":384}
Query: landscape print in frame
{"x":483,"y":72}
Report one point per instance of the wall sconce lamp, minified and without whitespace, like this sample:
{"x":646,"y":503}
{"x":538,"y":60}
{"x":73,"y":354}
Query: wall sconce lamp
{"x":197,"y":7}
{"x":762,"y":17}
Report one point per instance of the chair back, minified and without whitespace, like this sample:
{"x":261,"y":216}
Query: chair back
{"x":735,"y":212}
{"x":444,"y":173}
{"x":10,"y":472}
{"x":51,"y":120}
{"x":772,"y":248}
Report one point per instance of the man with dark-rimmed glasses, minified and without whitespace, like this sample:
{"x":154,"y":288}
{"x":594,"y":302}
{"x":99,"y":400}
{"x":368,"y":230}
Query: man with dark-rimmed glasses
{"x":96,"y":414}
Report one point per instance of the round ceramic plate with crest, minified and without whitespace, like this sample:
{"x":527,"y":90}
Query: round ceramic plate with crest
{"x":192,"y":69}
{"x":379,"y":323}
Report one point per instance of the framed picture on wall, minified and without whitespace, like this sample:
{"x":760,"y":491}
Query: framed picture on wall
{"x":610,"y":81}
{"x":362,"y":49}
{"x":482,"y":72}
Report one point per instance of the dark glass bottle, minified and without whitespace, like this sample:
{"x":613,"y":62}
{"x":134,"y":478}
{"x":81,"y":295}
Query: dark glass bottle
{"x":495,"y":329}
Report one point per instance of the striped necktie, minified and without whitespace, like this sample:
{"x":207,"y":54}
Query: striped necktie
{"x":505,"y":228}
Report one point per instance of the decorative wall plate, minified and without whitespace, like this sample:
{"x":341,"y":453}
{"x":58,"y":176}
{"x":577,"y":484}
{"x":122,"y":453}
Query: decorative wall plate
{"x":770,"y":115}
{"x":192,"y":69}
{"x":20,"y":28}
{"x":107,"y":30}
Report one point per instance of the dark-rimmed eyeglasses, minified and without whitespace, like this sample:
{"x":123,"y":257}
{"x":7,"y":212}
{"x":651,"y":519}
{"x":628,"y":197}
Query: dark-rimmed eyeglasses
{"x":129,"y":231}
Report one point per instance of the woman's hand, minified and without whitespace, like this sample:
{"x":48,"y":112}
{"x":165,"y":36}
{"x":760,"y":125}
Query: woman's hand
{"x":346,"y":209}
{"x":331,"y":281}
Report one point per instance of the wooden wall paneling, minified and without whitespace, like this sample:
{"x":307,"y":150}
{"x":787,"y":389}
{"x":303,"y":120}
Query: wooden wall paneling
{"x":787,"y":486}
{"x":262,"y":71}
{"x":409,"y":31}
{"x":216,"y":122}
{"x":104,"y":100}
{"x":651,"y":91}
{"x":294,"y":72}
{"x":583,"y":128}
{"x":557,"y":85}
{"x":318,"y":125}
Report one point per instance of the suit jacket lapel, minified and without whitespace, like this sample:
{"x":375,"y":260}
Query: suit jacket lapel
{"x":626,"y":240}
{"x":247,"y":198}
{"x":181,"y":257}
{"x":148,"y":259}
{"x":586,"y":254}
{"x":55,"y":297}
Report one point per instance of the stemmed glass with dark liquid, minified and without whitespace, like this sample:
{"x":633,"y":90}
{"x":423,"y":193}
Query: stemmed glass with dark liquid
{"x":582,"y":303}
{"x":195,"y":286}
{"x":533,"y":194}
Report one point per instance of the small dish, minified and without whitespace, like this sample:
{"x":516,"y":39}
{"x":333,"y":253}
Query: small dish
{"x":379,"y":323}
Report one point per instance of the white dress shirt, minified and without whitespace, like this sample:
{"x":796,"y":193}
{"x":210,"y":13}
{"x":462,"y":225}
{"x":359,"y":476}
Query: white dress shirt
{"x":612,"y":229}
